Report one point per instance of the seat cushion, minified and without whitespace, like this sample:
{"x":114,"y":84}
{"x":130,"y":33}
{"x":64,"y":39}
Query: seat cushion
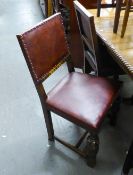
{"x":82,"y":99}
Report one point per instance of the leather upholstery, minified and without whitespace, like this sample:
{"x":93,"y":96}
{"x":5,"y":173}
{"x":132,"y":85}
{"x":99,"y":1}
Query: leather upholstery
{"x":42,"y":51}
{"x":83,"y":99}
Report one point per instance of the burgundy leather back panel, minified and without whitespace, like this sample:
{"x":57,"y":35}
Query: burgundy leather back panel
{"x":44,"y":47}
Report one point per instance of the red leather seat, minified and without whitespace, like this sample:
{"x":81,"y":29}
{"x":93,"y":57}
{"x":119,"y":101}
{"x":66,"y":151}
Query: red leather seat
{"x":82,"y":99}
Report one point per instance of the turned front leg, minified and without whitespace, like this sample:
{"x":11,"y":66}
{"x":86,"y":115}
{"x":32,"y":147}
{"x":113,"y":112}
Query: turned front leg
{"x":91,"y":149}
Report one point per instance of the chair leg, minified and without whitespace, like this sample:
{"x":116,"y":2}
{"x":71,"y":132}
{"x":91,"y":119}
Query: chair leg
{"x":128,"y":164}
{"x":114,"y":111}
{"x":98,"y":7}
{"x":46,"y":8}
{"x":91,"y":149}
{"x":125,"y":20}
{"x":49,"y":125}
{"x":117,"y":15}
{"x":87,"y":68}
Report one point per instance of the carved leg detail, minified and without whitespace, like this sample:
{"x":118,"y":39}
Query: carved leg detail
{"x":91,"y":149}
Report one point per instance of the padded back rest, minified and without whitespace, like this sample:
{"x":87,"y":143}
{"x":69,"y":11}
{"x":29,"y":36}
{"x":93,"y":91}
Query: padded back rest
{"x":88,"y":35}
{"x":44,"y":47}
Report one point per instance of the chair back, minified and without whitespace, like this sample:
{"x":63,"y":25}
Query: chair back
{"x":56,"y":6}
{"x":88,"y":35}
{"x":45,"y":47}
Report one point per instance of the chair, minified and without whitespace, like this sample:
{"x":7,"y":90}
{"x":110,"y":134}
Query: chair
{"x":80,"y":98}
{"x":100,"y":5}
{"x":122,"y":5}
{"x":59,"y":6}
{"x":128,"y":164}
{"x":95,"y":53}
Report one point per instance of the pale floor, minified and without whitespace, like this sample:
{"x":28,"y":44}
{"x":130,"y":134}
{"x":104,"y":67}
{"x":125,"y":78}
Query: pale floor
{"x":24,"y":149}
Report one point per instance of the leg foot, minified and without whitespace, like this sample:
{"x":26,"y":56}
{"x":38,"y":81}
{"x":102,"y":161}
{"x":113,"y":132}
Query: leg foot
{"x":49,"y":125}
{"x":91,"y":149}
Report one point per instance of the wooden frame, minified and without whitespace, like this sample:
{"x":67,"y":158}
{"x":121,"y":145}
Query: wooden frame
{"x":95,"y":53}
{"x":45,"y":49}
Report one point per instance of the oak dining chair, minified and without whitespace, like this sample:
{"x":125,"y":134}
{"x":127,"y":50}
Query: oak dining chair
{"x":79,"y":98}
{"x":95,"y":53}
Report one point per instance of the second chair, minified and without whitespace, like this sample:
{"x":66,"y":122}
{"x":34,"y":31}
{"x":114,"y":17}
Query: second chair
{"x":95,"y":51}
